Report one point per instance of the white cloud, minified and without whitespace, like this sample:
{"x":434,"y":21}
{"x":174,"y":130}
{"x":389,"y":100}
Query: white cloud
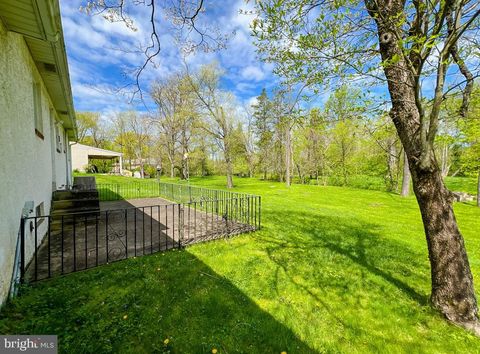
{"x":253,"y":73}
{"x":252,"y":101}
{"x":97,"y":55}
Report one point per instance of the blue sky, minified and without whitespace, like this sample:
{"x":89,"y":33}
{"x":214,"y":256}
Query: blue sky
{"x":98,"y":60}
{"x":98,"y":65}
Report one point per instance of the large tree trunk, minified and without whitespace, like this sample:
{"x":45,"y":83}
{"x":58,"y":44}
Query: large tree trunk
{"x":452,"y":283}
{"x":406,"y":177}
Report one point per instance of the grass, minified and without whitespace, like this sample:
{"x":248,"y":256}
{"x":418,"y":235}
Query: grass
{"x":333,"y":269}
{"x":462,"y":184}
{"x":458,"y":184}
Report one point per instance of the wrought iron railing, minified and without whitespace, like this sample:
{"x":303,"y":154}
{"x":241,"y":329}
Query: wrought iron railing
{"x":178,"y":193}
{"x":59,"y":244}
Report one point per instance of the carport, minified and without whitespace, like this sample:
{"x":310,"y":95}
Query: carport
{"x":81,"y":154}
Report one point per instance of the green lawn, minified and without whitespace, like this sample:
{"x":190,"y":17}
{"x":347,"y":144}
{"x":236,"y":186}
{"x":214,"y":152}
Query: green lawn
{"x":462,"y":184}
{"x":458,"y":184}
{"x":333,"y":270}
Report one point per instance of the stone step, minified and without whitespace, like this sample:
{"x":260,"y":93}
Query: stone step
{"x":80,"y":210}
{"x":74,"y":203}
{"x":75,"y":195}
{"x":56,"y":221}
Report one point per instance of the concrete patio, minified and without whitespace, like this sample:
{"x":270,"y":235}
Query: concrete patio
{"x":128,"y":228}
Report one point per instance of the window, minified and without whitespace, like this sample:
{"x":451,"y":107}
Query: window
{"x":58,"y":139}
{"x":37,"y":110}
{"x":40,"y":211}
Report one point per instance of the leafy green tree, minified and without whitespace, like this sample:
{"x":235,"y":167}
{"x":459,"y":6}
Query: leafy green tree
{"x":400,"y":43}
{"x":344,"y":112}
{"x":248,"y":141}
{"x":135,"y":138}
{"x":470,"y":129}
{"x":384,"y":149}
{"x":91,"y":130}
{"x":86,"y":123}
{"x":312,"y":141}
{"x":177,"y":119}
{"x":263,"y":125}
{"x":218,"y":112}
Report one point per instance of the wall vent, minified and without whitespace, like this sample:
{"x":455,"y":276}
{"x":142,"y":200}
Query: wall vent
{"x":51,"y":68}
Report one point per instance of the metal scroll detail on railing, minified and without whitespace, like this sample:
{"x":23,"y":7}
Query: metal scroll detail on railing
{"x":115,"y":237}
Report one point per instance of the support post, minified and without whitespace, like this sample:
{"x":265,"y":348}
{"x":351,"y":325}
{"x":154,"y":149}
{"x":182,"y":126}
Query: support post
{"x":22,"y":251}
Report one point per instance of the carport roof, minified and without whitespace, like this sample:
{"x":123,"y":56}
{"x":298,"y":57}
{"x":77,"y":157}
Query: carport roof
{"x":97,"y":153}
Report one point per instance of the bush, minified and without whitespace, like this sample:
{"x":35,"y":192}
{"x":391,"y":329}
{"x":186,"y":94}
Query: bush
{"x":150,"y":170}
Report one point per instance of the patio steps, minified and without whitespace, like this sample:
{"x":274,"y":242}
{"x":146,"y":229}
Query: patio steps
{"x":75,"y":195}
{"x":74,"y":201}
{"x":83,"y":199}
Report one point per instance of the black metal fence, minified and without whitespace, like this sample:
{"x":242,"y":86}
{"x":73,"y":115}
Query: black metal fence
{"x":59,"y":244}
{"x":179,"y":193}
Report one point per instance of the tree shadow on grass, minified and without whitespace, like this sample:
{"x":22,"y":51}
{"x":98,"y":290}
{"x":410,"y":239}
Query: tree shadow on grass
{"x":368,"y":286}
{"x":136,"y":304}
{"x":358,"y":243}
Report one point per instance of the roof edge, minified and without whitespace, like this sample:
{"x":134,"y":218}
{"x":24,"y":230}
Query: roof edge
{"x":51,"y":21}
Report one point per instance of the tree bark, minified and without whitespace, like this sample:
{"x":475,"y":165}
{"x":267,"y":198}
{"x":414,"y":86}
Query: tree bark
{"x":406,"y":177}
{"x":453,"y":292}
{"x":452,"y":282}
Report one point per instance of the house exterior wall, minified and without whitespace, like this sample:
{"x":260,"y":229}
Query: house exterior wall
{"x":81,"y":154}
{"x":60,"y":158}
{"x":79,"y":157}
{"x":27,"y":169}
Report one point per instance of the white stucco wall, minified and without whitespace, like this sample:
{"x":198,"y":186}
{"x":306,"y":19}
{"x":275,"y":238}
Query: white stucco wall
{"x":25,"y":159}
{"x":60,"y":159}
{"x":81,"y":154}
{"x":79,"y":157}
